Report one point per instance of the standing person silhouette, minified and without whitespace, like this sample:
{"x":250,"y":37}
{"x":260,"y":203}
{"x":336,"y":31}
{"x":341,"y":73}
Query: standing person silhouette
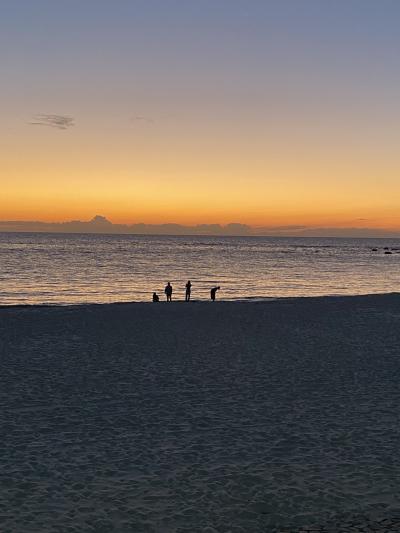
{"x":168,"y":292}
{"x":188,"y":291}
{"x":213,"y":292}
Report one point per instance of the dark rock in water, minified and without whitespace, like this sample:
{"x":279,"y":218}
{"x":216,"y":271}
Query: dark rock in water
{"x":388,"y":253}
{"x":374,"y":249}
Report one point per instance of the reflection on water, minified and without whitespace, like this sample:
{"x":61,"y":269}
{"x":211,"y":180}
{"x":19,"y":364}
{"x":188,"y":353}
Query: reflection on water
{"x":49,"y":268}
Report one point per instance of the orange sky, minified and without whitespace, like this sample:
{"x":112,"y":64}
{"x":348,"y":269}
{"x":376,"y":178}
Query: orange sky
{"x":61,"y":175}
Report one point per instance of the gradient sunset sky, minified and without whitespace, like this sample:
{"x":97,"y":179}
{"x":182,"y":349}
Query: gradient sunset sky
{"x":199,"y":111}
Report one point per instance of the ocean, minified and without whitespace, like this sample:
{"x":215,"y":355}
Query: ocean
{"x":76,"y":268}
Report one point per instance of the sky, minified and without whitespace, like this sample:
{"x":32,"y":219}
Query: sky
{"x":264,"y":113}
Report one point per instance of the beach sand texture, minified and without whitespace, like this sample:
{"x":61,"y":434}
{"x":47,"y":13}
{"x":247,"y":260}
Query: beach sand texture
{"x":189,"y":417}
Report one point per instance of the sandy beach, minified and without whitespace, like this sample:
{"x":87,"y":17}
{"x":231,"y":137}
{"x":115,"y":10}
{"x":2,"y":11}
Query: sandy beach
{"x":256,"y":416}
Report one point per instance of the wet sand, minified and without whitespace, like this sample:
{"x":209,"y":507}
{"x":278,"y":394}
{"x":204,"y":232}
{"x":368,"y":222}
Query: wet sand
{"x":187,"y":417}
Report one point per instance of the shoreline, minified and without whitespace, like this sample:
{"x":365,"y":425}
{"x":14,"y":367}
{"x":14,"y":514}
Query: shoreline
{"x":243,"y":300}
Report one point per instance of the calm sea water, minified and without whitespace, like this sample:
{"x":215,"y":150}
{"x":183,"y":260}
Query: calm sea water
{"x":61,"y":269}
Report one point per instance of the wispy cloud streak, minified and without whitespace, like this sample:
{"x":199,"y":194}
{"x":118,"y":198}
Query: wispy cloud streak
{"x":60,"y":122}
{"x":141,"y":118}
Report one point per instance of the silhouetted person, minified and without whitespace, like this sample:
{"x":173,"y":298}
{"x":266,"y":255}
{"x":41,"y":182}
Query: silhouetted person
{"x":213,"y":292}
{"x":155,"y":297}
{"x":188,"y":291}
{"x":168,"y":292}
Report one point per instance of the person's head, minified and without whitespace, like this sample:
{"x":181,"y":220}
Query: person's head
{"x":168,"y":283}
{"x":154,"y":294}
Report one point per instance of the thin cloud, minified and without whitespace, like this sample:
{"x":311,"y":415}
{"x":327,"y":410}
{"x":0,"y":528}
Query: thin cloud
{"x":141,"y":118}
{"x":284,"y":228}
{"x":60,"y":122}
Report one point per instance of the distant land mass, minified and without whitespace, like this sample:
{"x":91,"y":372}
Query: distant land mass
{"x":100,"y":224}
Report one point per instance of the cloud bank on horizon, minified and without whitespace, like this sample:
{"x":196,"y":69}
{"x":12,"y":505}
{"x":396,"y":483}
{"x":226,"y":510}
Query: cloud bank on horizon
{"x":100,"y":224}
